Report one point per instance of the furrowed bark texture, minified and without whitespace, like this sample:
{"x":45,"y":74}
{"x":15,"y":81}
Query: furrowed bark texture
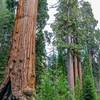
{"x":74,"y":69}
{"x":21,"y":64}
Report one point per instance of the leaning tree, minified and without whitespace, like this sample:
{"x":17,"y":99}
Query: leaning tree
{"x":19,"y":82}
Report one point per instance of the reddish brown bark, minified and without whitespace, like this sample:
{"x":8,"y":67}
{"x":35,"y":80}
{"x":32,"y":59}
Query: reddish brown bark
{"x":71,"y":73}
{"x":70,"y":67}
{"x":21,"y":64}
{"x":74,"y":73}
{"x":76,"y":69}
{"x":80,"y":70}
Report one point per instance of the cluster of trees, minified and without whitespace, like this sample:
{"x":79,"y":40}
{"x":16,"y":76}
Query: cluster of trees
{"x":75,"y":64}
{"x":76,"y":37}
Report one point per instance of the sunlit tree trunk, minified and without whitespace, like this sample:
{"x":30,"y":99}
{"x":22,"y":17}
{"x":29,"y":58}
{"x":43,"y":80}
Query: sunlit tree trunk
{"x":20,"y":73}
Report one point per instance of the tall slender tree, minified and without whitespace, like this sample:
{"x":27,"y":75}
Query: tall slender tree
{"x":87,"y":26}
{"x":66,"y":28}
{"x":40,"y":39}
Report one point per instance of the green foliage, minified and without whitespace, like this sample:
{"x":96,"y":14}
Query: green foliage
{"x":89,"y":92}
{"x":11,"y":4}
{"x":6,"y":24}
{"x":87,"y":27}
{"x":78,"y":23}
{"x":67,"y":25}
{"x":40,"y":41}
{"x":78,"y":90}
{"x":87,"y":24}
{"x":54,"y":86}
{"x":42,"y":14}
{"x":72,"y":21}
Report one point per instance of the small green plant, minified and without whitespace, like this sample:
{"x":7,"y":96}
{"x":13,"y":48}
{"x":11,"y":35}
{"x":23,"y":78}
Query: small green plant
{"x":78,"y":90}
{"x":53,"y":86}
{"x":89,"y":90}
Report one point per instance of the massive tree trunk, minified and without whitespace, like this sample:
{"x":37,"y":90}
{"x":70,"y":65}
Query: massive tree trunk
{"x":20,"y":76}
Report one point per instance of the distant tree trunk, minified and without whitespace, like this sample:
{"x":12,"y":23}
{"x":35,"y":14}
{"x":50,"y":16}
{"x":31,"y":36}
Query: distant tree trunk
{"x":74,"y":69}
{"x":20,"y":76}
{"x":80,"y":70}
{"x":70,"y":68}
{"x":98,"y":75}
{"x":71,"y":73}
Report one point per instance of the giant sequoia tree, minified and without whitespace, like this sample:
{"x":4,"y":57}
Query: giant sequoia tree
{"x":19,"y":80}
{"x":77,"y":42}
{"x":67,"y":34}
{"x":87,"y":27}
{"x":74,"y":28}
